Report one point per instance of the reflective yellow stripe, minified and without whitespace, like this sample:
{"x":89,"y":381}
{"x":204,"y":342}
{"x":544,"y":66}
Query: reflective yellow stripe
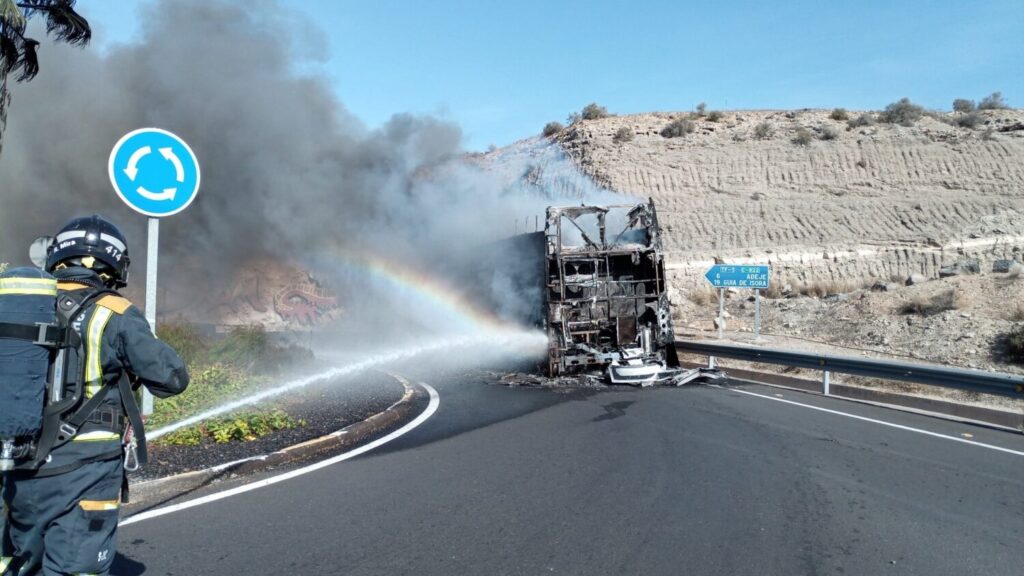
{"x":28,"y":286}
{"x":96,"y":436}
{"x":99,"y":505}
{"x":28,"y":292}
{"x":5,"y":561}
{"x":27,"y":283}
{"x":93,"y":356}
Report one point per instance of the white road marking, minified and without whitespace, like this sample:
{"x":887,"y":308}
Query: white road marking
{"x":882,"y":422}
{"x":435,"y":401}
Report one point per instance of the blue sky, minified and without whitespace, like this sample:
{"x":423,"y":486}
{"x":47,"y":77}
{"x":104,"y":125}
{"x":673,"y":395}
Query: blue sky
{"x":502,"y":69}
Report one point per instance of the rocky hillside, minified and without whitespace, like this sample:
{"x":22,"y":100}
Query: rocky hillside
{"x":818,"y":198}
{"x":845,"y":210}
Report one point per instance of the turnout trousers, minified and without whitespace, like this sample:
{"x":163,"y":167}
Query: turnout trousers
{"x":64,"y":524}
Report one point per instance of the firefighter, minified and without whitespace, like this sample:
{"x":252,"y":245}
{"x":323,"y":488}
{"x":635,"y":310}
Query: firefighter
{"x":62,"y":518}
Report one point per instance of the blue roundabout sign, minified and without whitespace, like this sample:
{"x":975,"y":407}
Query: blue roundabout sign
{"x":154,"y":172}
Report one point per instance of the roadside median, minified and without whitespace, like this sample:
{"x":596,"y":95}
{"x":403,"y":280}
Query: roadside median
{"x":353,"y":425}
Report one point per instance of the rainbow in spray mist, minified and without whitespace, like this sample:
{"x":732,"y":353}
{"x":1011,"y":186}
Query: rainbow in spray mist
{"x":422,"y":288}
{"x":480,"y":329}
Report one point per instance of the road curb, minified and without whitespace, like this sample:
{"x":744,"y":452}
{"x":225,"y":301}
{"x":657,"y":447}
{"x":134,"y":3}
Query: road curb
{"x":146,"y":493}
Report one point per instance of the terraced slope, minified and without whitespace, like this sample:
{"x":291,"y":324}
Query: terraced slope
{"x":872,"y":202}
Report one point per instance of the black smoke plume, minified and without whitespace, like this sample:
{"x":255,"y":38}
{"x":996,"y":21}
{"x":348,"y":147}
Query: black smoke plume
{"x":288,"y":172}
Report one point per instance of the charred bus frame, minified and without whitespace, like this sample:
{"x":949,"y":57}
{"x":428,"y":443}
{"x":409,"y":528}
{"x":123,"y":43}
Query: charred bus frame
{"x":606,"y":297}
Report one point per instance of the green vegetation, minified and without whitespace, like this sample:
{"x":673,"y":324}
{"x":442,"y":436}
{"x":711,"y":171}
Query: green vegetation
{"x":902,"y":112}
{"x":552,"y":128}
{"x":246,"y":348}
{"x":993,"y":101}
{"x":623,"y":134}
{"x":223,"y":369}
{"x":678,"y":127}
{"x":210,"y":385}
{"x":242,"y":427}
{"x":839,"y":114}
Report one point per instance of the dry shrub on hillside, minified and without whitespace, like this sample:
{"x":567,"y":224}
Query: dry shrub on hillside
{"x":993,"y":101}
{"x":701,"y":109}
{"x":803,"y":137}
{"x":715,"y":116}
{"x":702,"y":296}
{"x":967,"y":120}
{"x":1015,"y":343}
{"x":902,"y":112}
{"x":622,"y":135}
{"x":839,"y":114}
{"x":678,"y":127}
{"x":964,"y":105}
{"x":823,"y":288}
{"x":922,"y":306}
{"x":774,"y":290}
{"x":829,"y":133}
{"x":1016,"y":314}
{"x":594,"y":112}
{"x":764,"y":130}
{"x":864,"y":119}
{"x":552,"y":128}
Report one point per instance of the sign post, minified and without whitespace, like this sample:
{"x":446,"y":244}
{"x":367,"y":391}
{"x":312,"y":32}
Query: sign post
{"x":724,"y":276}
{"x":757,"y":315}
{"x":156,"y":174}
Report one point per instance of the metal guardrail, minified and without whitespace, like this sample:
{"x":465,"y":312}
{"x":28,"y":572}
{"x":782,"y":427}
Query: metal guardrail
{"x":931,"y":374}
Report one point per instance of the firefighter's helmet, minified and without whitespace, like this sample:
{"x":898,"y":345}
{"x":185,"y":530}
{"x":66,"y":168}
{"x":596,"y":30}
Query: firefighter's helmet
{"x":91,"y":242}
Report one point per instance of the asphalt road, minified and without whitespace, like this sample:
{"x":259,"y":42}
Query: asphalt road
{"x":698,"y":480}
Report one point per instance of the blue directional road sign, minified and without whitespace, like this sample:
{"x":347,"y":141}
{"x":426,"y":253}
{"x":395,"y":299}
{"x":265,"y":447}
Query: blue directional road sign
{"x":154,"y":172}
{"x":735,"y":276}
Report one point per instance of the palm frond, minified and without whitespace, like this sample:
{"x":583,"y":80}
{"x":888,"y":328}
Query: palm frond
{"x":62,"y":21}
{"x":10,"y":15}
{"x":29,"y":60}
{"x":9,"y":53}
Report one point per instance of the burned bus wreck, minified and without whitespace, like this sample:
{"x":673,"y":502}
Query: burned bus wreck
{"x":606,"y":302}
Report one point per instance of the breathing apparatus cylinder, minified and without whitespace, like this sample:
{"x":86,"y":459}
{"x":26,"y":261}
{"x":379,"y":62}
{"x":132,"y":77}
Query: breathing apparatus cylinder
{"x":28,"y":297}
